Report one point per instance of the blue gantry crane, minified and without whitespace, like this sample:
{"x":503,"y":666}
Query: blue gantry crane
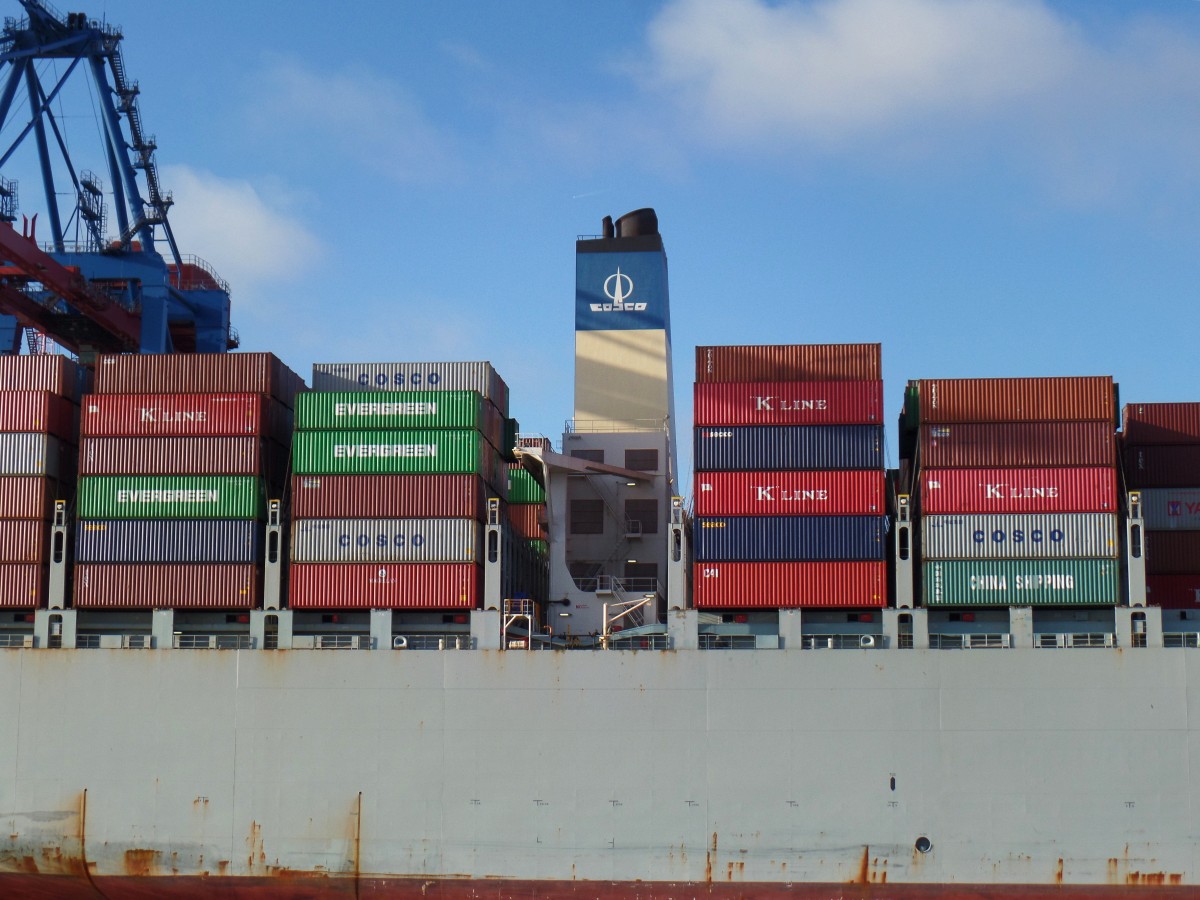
{"x":97,"y":291}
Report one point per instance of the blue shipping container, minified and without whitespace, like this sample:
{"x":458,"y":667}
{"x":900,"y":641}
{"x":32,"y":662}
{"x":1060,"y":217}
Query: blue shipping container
{"x":789,"y":538}
{"x":168,"y":541}
{"x":782,"y":448}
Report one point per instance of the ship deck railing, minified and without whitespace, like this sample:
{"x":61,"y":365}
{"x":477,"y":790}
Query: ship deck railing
{"x":1057,"y":640}
{"x":728,"y":642}
{"x":980,"y":641}
{"x":1181,"y":639}
{"x":452,"y":641}
{"x":16,"y":641}
{"x":638,"y":642}
{"x":213,"y":642}
{"x":842,"y":641}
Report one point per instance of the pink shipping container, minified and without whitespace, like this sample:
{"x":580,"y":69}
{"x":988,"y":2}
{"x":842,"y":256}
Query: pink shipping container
{"x":789,"y":403}
{"x":1067,"y":490}
{"x":178,"y":415}
{"x":789,"y":362}
{"x":1018,"y":444}
{"x":39,"y":411}
{"x":853,"y":493}
{"x":949,"y":400}
{"x":389,"y":496}
{"x":1172,"y":552}
{"x":30,"y":497}
{"x":526,"y":519}
{"x":198,"y":373}
{"x":22,"y":585}
{"x":741,"y":585}
{"x":1161,"y":423}
{"x":183,"y":456}
{"x":175,"y":585}
{"x":56,"y":374}
{"x":23,"y":541}
{"x":1162,"y":466}
{"x":384,"y":586}
{"x":1174,"y":592}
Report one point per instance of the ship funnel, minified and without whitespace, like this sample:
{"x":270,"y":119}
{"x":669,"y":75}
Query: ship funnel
{"x":638,"y":223}
{"x":607,"y":228}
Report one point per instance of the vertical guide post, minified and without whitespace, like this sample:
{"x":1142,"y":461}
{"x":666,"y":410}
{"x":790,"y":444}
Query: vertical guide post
{"x":486,"y":626}
{"x":1135,"y":550}
{"x":904,"y":553}
{"x":57,"y":590}
{"x":273,"y":558}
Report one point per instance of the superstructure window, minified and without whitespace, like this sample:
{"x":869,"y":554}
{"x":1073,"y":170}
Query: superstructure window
{"x":589,"y":455}
{"x":587,"y":517}
{"x":641,"y":460}
{"x":645,"y":513}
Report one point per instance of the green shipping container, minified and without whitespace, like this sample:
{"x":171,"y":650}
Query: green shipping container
{"x":170,"y":497}
{"x":407,"y":452}
{"x":407,"y":409}
{"x":1060,"y":582}
{"x":524,"y":488}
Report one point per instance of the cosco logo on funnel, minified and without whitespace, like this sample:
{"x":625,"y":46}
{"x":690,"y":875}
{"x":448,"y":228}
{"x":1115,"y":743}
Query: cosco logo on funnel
{"x":400,"y":379}
{"x":380,"y":540}
{"x":1019,"y":536}
{"x":618,"y":288}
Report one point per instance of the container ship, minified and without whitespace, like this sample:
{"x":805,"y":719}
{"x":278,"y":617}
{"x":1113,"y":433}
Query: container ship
{"x":356,"y":634}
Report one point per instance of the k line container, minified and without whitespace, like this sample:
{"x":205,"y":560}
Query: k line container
{"x":1172,"y":552}
{"x":1162,"y":466}
{"x":479,"y":377}
{"x":406,"y":452}
{"x":789,"y":362}
{"x":389,"y":496}
{"x":1174,"y":592}
{"x":788,"y":585}
{"x":23,"y":541}
{"x":384,"y":586}
{"x":774,"y":448}
{"x":789,"y":403}
{"x":1018,"y":444}
{"x":788,"y":538}
{"x":170,"y":497}
{"x":386,"y":541}
{"x":178,"y":586}
{"x":1044,"y":536}
{"x":22,"y":497}
{"x":36,"y":454}
{"x":183,"y":456}
{"x":179,"y":415}
{"x":953,"y":400}
{"x":1161,"y":423}
{"x":1065,"y":490}
{"x":1171,"y":509}
{"x":39,"y":411}
{"x":197,"y":373}
{"x":359,"y":410}
{"x":56,"y":374}
{"x":526,"y":519}
{"x":22,"y":585}
{"x":1045,"y":582}
{"x":789,"y":493}
{"x":523,"y":487}
{"x":168,"y":541}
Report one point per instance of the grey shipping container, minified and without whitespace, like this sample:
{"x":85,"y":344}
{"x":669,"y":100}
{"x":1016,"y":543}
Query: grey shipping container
{"x":1031,"y":536}
{"x":413,"y":376}
{"x":386,"y":540}
{"x":1172,"y":509}
{"x":36,"y":454}
{"x":168,"y":541}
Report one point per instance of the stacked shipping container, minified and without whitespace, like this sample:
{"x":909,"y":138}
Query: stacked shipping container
{"x":790,"y":477}
{"x":1017,"y":490}
{"x":1161,"y":456}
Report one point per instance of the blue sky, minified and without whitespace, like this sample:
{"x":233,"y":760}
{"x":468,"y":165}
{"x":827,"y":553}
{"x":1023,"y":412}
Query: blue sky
{"x":986,"y":187}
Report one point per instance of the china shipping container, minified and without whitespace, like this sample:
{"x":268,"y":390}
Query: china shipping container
{"x":1174,"y":592}
{"x":785,"y":447}
{"x":789,"y":585}
{"x":40,"y":411}
{"x":389,"y":496}
{"x":1054,"y":582}
{"x":23,"y":541}
{"x":789,"y":403}
{"x":384,"y":586}
{"x":386,"y":541}
{"x":526,"y":519}
{"x":22,"y":497}
{"x":22,"y":585}
{"x":170,"y":497}
{"x":1161,"y":423}
{"x":168,"y":541}
{"x":197,"y":373}
{"x":953,"y":400}
{"x":1172,"y":552}
{"x":1018,"y":444}
{"x":36,"y":454}
{"x":854,"y":493}
{"x":398,"y":452}
{"x":523,"y":487}
{"x":1176,"y":465}
{"x":176,"y":585}
{"x":1079,"y":490}
{"x":356,"y":411}
{"x":179,"y":415}
{"x":1036,"y":536}
{"x":184,"y":456}
{"x":43,"y":372}
{"x":789,"y":362}
{"x":479,"y":377}
{"x":788,"y":538}
{"x":1171,"y":509}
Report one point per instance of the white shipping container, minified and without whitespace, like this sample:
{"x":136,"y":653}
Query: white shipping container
{"x":36,"y":454}
{"x":1032,"y":536}
{"x":387,"y":540}
{"x":1171,"y":509}
{"x":413,"y":376}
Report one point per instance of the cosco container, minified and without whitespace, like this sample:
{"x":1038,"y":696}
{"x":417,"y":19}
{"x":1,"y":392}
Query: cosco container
{"x":527,"y":518}
{"x":410,"y":409}
{"x":789,"y":493}
{"x":42,"y":372}
{"x":407,"y":452}
{"x":183,"y":456}
{"x":36,"y":454}
{"x":523,"y":487}
{"x":952,"y":400}
{"x":198,"y":373}
{"x":1018,"y":444}
{"x":390,"y":496}
{"x":386,"y":540}
{"x":39,"y":411}
{"x":479,"y":377}
{"x":23,"y":541}
{"x":789,"y":403}
{"x":181,"y":586}
{"x":1174,"y":592}
{"x":168,"y":541}
{"x":1161,"y":423}
{"x":384,"y":586}
{"x":1057,"y":582}
{"x":1162,"y":466}
{"x":22,"y":497}
{"x":785,"y":585}
{"x":783,"y":447}
{"x":1172,"y":553}
{"x":1039,"y":536}
{"x":170,"y":497}
{"x":789,"y":362}
{"x":1092,"y":489}
{"x":788,"y":538}
{"x":1171,"y":509}
{"x":22,"y":585}
{"x":178,"y":415}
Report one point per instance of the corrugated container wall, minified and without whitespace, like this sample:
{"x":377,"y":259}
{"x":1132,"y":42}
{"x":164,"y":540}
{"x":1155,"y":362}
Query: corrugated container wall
{"x":167,"y":541}
{"x":43,"y":372}
{"x":1173,"y":552}
{"x":40,"y":411}
{"x":144,"y":586}
{"x":1162,"y":466}
{"x":1018,"y":444}
{"x":789,"y":403}
{"x":386,"y":541}
{"x":479,"y":377}
{"x":789,"y":362}
{"x":1174,"y":592}
{"x":23,"y":541}
{"x":1171,"y":509}
{"x":788,"y":447}
{"x":789,"y":493}
{"x":789,"y":585}
{"x":170,"y":497}
{"x":348,"y":411}
{"x":952,"y":400}
{"x":526,"y":519}
{"x":407,"y":452}
{"x":1065,"y":490}
{"x":1060,"y":582}
{"x":389,"y":496}
{"x":22,"y":585}
{"x":180,"y":415}
{"x":22,"y":497}
{"x":36,"y":454}
{"x":198,"y":373}
{"x":386,"y":586}
{"x":788,"y":538}
{"x":523,"y":487}
{"x":1161,"y":423}
{"x":183,"y":456}
{"x":1047,"y":536}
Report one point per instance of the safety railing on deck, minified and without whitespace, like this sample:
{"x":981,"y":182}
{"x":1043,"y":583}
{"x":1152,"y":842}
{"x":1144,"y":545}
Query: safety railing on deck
{"x":968,"y":641}
{"x":1181,"y":639}
{"x":727,"y":642}
{"x":16,"y":641}
{"x":842,"y":641}
{"x":214,"y":642}
{"x":1058,"y":640}
{"x":459,"y":641}
{"x":607,"y":426}
{"x":638,"y":642}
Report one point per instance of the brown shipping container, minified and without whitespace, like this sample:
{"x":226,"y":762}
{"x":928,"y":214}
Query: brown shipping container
{"x":1052,"y":490}
{"x":389,"y":496}
{"x":950,"y":400}
{"x":789,"y":403}
{"x":749,"y":585}
{"x":1162,"y":466}
{"x":23,"y":541}
{"x":527,"y":518}
{"x":1018,"y":444}
{"x":1174,"y":592}
{"x":39,"y":411}
{"x":22,"y":585}
{"x":1161,"y":423}
{"x":384,"y":586}
{"x":1172,"y":552}
{"x":174,"y":456}
{"x":180,"y":415}
{"x":177,"y":585}
{"x":789,"y":362}
{"x":31,"y":497}
{"x":198,"y":373}
{"x":56,"y":374}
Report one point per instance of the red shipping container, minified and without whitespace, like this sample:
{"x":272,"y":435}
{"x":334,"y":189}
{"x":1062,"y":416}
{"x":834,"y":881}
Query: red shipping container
{"x":1162,"y":466}
{"x":24,"y":541}
{"x":43,"y":372}
{"x":1066,"y":490}
{"x":163,"y":585}
{"x":741,"y":585}
{"x":384,"y":586}
{"x":180,"y":456}
{"x":177,"y":415}
{"x":949,"y":400}
{"x":789,"y":403}
{"x":853,"y":493}
{"x":1018,"y":444}
{"x":1161,"y":423}
{"x":30,"y":496}
{"x":526,"y":519}
{"x":390,"y":496}
{"x":1174,"y":592}
{"x":198,"y":373}
{"x":1172,"y":552}
{"x":789,"y":362}
{"x":39,"y":411}
{"x":22,"y":585}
